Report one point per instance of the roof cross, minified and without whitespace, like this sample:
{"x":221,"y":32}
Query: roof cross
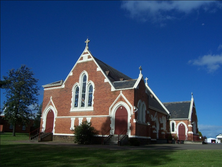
{"x":140,"y":68}
{"x":87,"y":42}
{"x":146,"y":80}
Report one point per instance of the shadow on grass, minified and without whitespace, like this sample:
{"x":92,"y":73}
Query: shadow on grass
{"x":55,"y":155}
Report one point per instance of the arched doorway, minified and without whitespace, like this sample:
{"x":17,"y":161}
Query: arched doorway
{"x":121,"y":120}
{"x":49,"y":122}
{"x":181,"y":135}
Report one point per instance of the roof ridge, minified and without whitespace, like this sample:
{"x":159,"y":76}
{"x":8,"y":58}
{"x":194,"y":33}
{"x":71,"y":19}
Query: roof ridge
{"x":177,"y":102}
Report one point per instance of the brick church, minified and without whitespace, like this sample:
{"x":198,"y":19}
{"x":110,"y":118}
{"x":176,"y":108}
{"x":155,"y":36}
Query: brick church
{"x":114,"y":103}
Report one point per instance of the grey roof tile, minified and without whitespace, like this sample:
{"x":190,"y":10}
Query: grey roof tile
{"x":178,"y":109}
{"x":124,"y":84}
{"x":154,"y":104}
{"x":113,"y":74}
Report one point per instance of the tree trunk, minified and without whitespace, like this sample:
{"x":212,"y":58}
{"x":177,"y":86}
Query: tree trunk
{"x":13,"y":132}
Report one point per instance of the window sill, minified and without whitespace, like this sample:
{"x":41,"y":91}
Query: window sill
{"x":81,"y":109}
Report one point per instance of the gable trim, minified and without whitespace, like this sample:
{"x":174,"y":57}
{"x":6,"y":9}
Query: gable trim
{"x":157,"y":99}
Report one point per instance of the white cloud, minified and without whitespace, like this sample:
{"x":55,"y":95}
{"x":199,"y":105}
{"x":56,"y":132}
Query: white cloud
{"x":210,"y":130}
{"x":162,"y":10}
{"x":212,"y":62}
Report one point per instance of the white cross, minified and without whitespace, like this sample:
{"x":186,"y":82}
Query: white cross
{"x":140,"y":68}
{"x":87,"y":42}
{"x":146,"y":80}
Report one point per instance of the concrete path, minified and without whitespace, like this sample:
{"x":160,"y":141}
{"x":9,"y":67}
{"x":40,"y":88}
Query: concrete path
{"x":146,"y":147}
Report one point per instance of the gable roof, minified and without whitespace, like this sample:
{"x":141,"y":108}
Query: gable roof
{"x":124,"y":84}
{"x":179,"y":109}
{"x":111,"y":73}
{"x":155,"y":103}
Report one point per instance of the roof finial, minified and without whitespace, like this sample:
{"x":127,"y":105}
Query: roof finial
{"x":146,"y":80}
{"x":191,"y":94}
{"x":87,"y":42}
{"x":140,"y":68}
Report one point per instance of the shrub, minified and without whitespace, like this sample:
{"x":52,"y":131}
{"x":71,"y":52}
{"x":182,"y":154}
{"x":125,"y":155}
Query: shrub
{"x":84,"y":133}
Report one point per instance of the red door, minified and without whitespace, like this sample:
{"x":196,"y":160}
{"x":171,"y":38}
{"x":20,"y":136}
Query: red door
{"x":182,"y":135}
{"x":49,"y":122}
{"x":121,"y":118}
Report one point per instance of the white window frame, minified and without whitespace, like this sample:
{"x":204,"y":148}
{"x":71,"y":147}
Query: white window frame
{"x":171,"y":126}
{"x":79,"y":84}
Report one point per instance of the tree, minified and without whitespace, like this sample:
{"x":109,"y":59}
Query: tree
{"x":84,"y":133}
{"x":38,"y":117}
{"x":21,"y":96}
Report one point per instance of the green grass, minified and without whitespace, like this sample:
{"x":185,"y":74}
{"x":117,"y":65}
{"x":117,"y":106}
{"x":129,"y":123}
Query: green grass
{"x":18,"y":154}
{"x":7,"y":138}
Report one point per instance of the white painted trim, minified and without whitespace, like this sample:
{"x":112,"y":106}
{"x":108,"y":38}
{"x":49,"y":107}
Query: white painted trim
{"x":142,"y":137}
{"x":175,"y":127}
{"x":112,"y":114}
{"x":186,"y":129}
{"x":121,"y":94}
{"x":72,"y":127}
{"x":138,"y":81}
{"x":45,"y":112}
{"x":157,"y":98}
{"x":63,"y":134}
{"x":191,"y":108}
{"x":56,"y":87}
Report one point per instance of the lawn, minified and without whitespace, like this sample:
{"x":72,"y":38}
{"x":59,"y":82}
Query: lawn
{"x":18,"y":154}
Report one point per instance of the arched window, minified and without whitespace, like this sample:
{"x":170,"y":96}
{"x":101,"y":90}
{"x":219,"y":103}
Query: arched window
{"x":84,"y":78}
{"x":173,"y":127}
{"x":90,"y":95}
{"x":141,"y":112}
{"x":82,"y":96}
{"x":76,"y":97}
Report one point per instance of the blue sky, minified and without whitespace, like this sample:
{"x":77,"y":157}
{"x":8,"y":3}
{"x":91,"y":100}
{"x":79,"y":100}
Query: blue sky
{"x":177,"y":43}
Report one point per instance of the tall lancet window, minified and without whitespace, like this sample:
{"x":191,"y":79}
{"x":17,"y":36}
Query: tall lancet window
{"x":84,"y":78}
{"x":82,"y":94}
{"x":76,"y":96}
{"x":90,"y":96}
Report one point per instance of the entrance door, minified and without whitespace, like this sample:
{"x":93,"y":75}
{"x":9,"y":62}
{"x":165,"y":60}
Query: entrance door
{"x":49,"y":122}
{"x":121,"y":120}
{"x":182,"y":135}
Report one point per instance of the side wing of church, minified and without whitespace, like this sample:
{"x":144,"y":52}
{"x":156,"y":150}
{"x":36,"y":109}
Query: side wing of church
{"x":114,"y":103}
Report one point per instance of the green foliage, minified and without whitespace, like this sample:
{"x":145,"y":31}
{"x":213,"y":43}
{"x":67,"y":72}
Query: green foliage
{"x":37,"y":119}
{"x":200,"y":134}
{"x":21,"y":96}
{"x":84,"y":133}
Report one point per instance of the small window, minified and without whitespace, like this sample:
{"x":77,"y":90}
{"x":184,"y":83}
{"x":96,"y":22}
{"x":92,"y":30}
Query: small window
{"x":76,"y":96}
{"x":83,"y":91}
{"x":90,"y":96}
{"x":173,"y":127}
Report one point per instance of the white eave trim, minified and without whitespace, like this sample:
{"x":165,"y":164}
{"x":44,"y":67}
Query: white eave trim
{"x":191,"y":108}
{"x":138,"y":81}
{"x":157,"y":99}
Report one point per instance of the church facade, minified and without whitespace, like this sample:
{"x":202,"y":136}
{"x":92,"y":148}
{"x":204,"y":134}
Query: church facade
{"x":113,"y":102}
